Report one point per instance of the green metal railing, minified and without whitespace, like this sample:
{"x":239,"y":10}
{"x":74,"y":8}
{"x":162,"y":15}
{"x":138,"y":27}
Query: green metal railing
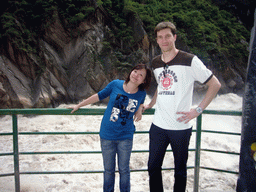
{"x":16,"y":133}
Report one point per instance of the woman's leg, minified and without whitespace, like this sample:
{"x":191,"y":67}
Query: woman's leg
{"x":109,"y":150}
{"x":124,"y":149}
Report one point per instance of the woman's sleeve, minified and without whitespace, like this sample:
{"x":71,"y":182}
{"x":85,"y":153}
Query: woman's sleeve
{"x":144,"y":96}
{"x":104,"y":93}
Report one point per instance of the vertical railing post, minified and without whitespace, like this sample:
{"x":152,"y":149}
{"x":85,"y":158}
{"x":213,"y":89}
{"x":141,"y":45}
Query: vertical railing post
{"x":197,"y":152}
{"x":16,"y":153}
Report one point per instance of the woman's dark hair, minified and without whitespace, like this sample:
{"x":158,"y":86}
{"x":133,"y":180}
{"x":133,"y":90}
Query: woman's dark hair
{"x":147,"y":81}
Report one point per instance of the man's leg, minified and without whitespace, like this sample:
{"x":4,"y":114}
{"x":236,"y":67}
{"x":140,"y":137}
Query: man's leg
{"x":157,"y":148}
{"x":179,"y":143}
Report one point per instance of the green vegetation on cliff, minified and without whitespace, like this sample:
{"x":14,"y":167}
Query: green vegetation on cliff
{"x":208,"y":30}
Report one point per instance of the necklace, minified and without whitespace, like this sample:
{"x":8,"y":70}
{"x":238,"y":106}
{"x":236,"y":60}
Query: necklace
{"x":129,"y":90}
{"x":166,"y":64}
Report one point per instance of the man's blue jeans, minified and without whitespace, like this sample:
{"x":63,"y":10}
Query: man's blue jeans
{"x":122,"y":149}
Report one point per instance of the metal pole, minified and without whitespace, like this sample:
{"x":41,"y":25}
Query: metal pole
{"x":197,"y":152}
{"x":16,"y":153}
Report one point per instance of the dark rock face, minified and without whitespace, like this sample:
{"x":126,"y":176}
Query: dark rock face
{"x":79,"y":63}
{"x":247,"y":164}
{"x":72,"y":69}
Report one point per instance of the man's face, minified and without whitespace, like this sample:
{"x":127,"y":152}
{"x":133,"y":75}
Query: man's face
{"x":166,"y":40}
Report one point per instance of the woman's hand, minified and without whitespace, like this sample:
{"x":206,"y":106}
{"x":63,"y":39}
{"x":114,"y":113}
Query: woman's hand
{"x":75,"y":108}
{"x":138,"y":114}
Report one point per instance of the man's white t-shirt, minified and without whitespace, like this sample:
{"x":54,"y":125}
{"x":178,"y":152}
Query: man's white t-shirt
{"x":175,"y":88}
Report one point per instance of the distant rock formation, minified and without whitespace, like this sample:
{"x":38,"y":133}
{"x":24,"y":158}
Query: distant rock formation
{"x":80,"y":62}
{"x":72,"y":68}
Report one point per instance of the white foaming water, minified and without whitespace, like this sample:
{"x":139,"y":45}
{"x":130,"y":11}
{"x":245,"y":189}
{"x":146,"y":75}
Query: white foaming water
{"x":209,"y":180}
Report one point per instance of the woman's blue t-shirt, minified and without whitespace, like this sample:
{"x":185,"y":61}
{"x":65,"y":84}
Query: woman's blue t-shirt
{"x":117,"y":122}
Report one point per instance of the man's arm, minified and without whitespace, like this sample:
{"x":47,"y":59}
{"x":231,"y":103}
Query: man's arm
{"x":152,"y":102}
{"x":213,"y":88}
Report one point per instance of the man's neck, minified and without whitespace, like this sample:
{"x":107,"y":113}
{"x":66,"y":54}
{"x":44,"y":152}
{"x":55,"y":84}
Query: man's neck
{"x":169,"y":55}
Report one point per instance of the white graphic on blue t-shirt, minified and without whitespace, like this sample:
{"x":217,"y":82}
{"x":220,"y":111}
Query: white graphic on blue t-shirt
{"x":132,"y":105}
{"x":123,"y":106}
{"x":114,"y":114}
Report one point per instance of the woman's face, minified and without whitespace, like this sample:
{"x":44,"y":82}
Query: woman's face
{"x":138,"y":76}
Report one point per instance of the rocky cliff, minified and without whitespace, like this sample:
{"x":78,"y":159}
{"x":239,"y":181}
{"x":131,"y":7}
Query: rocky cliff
{"x":77,"y":64}
{"x":80,"y":62}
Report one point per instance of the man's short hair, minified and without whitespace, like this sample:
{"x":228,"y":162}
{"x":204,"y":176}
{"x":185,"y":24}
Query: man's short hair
{"x":165,"y":25}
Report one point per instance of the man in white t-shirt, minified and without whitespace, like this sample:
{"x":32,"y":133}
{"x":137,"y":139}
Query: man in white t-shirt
{"x":175,"y":73}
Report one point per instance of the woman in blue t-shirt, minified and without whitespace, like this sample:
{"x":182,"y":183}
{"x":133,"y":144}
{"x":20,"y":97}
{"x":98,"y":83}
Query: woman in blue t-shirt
{"x":117,"y":127}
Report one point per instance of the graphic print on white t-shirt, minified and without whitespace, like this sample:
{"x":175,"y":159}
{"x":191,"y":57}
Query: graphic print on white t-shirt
{"x":166,"y":80}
